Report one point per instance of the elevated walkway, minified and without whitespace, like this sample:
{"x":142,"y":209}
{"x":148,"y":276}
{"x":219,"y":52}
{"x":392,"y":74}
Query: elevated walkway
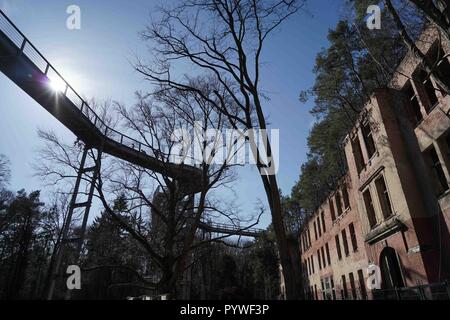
{"x":23,"y":64}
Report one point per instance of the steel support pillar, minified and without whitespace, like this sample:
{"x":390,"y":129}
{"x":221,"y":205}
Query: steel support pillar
{"x":74,"y":204}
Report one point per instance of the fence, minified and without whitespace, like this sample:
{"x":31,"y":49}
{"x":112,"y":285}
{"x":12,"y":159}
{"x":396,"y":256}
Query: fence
{"x":436,"y":291}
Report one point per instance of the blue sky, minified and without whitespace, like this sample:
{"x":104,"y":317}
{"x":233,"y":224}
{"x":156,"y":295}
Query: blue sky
{"x":96,"y":61}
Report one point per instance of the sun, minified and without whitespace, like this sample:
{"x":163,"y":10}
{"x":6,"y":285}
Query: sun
{"x":57,"y":84}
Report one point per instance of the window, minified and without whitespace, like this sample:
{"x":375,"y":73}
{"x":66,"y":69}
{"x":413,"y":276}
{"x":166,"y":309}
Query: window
{"x":338,"y":204}
{"x":312,"y":264}
{"x":324,"y":262}
{"x":357,"y":153}
{"x":345,"y":197}
{"x":319,"y":228}
{"x":425,"y":81}
{"x":345,"y":243}
{"x":438,"y":173}
{"x":368,"y":139}
{"x":383,"y":196}
{"x":333,"y":215}
{"x":352,"y":285}
{"x":315,"y":292}
{"x":369,"y":208}
{"x":443,"y":66}
{"x":344,"y":293}
{"x":327,"y":249}
{"x":362,"y":285}
{"x":309,"y":239}
{"x":315,"y":230}
{"x":353,"y":237}
{"x":323,"y":222}
{"x":414,"y":112}
{"x":320,"y":260}
{"x":338,"y":247}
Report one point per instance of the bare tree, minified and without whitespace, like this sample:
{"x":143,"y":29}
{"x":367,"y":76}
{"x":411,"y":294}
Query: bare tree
{"x":160,"y":212}
{"x":429,"y":66}
{"x":225,"y":40}
{"x":437,"y":12}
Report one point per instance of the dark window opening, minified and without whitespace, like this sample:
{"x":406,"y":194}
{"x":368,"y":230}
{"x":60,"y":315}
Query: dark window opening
{"x":352,"y":285}
{"x":438,"y":173}
{"x":323,"y":222}
{"x":357,"y":153}
{"x":312,"y":264}
{"x":345,"y":243}
{"x":327,"y":249}
{"x":383,"y":195}
{"x":425,"y":81}
{"x":338,"y":204}
{"x":333,"y":215}
{"x":368,"y":139}
{"x":353,"y":237}
{"x":413,"y":109}
{"x":344,"y":288}
{"x":338,"y":247}
{"x":324,"y":262}
{"x":319,"y":228}
{"x":345,"y":197}
{"x":315,"y":231}
{"x":362,"y":285}
{"x":370,"y":208}
{"x":319,"y":259}
{"x":443,"y":66}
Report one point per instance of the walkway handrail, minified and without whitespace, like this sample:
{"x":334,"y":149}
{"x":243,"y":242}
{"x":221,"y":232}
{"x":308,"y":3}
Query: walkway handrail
{"x":25,"y":47}
{"x":231,"y":228}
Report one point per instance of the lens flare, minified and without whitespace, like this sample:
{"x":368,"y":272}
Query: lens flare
{"x":57,"y":84}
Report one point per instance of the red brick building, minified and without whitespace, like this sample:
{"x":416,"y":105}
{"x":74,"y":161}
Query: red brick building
{"x":392,"y":210}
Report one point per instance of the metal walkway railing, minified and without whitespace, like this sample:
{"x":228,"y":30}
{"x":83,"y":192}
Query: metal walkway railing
{"x":32,"y":72}
{"x":26,"y":48}
{"x":229,"y":229}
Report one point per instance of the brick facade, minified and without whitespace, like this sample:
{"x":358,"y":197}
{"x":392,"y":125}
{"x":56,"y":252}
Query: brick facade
{"x":392,"y":209}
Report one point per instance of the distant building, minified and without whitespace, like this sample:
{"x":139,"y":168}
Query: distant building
{"x":392,"y":210}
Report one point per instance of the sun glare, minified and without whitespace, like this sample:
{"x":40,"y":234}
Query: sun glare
{"x":57,"y":85}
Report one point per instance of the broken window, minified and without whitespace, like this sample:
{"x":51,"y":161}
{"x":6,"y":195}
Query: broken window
{"x":327,"y":249}
{"x":362,"y":285}
{"x":440,"y":180}
{"x":338,"y":204}
{"x":383,"y":196}
{"x":368,"y":139}
{"x":323,"y":222}
{"x":424,"y":80}
{"x":352,"y":285}
{"x":357,"y":153}
{"x":345,"y":243}
{"x":333,"y":215}
{"x":315,"y":230}
{"x":413,"y":106}
{"x":370,"y":208}
{"x":351,"y":228}
{"x":345,"y":197}
{"x":338,"y":247}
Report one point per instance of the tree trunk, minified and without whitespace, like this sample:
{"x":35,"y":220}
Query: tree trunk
{"x":283,"y":246}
